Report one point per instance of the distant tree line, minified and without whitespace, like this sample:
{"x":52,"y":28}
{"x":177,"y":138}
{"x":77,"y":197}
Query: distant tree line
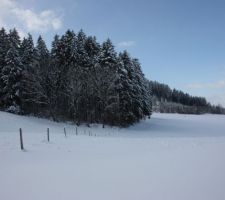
{"x":79,"y":79}
{"x":165,"y":99}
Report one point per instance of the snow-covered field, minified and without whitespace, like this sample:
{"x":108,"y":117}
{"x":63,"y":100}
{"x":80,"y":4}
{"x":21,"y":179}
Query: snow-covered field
{"x":169,"y":157}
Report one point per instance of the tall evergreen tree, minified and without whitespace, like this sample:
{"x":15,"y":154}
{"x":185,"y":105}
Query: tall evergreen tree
{"x":31,"y":92}
{"x":14,"y":39}
{"x":62,"y":60}
{"x":127,"y":95}
{"x":11,"y":76}
{"x":53,"y":78}
{"x":82,"y":64}
{"x":42,"y":59}
{"x":42,"y":56}
{"x":92,"y":51}
{"x":4,"y":46}
{"x":143,"y":101}
{"x":106,"y":74}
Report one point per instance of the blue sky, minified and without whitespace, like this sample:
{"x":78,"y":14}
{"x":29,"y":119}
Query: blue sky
{"x":178,"y":42}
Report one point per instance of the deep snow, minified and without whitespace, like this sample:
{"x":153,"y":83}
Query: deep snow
{"x":169,"y":157}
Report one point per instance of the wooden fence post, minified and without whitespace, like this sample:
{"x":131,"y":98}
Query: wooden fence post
{"x":65,"y":131}
{"x":48,"y":134}
{"x":21,"y":139}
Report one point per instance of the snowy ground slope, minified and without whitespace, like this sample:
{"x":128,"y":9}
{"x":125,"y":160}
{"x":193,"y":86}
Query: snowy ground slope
{"x":170,"y":157}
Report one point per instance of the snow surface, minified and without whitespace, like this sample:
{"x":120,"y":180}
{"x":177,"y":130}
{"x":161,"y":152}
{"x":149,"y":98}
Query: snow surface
{"x":169,"y":157}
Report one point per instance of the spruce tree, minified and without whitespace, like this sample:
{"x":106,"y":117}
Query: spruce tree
{"x":62,"y":60}
{"x":143,"y":100}
{"x":11,"y":77}
{"x":82,"y":64}
{"x":4,"y":46}
{"x":43,"y":61}
{"x":11,"y":73}
{"x":127,"y":95}
{"x":42,"y":56}
{"x":93,"y":50}
{"x":31,"y":92}
{"x":106,"y":74}
{"x":53,"y":78}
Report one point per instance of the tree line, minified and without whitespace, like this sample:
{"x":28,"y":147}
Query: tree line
{"x":79,"y":79}
{"x":165,"y":99}
{"x":85,"y":81}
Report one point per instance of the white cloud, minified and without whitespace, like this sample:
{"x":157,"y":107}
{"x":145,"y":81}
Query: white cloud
{"x":12,"y":14}
{"x":126,"y":44}
{"x":218,"y":84}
